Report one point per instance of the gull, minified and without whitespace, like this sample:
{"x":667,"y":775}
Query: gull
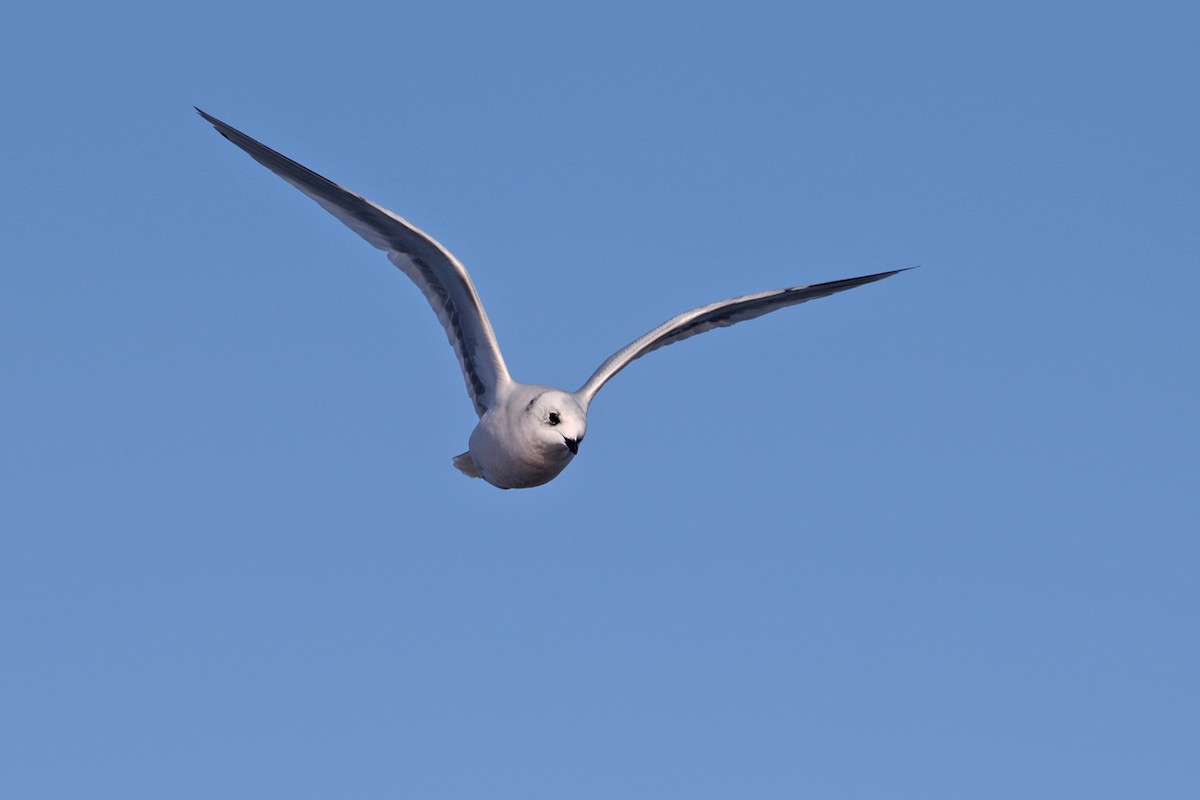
{"x":527,"y":433}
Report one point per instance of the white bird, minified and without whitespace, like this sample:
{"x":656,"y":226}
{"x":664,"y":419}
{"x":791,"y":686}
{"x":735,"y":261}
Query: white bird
{"x":527,"y":433}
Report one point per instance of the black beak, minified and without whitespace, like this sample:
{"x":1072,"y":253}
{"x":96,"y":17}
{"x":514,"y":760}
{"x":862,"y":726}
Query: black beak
{"x":572,"y":445}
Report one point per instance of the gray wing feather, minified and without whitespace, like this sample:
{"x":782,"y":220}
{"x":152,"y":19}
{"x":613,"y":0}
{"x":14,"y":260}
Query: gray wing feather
{"x":439,"y":276}
{"x":716,"y":315}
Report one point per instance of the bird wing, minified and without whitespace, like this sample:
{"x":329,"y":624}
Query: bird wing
{"x":716,"y":315}
{"x":438,"y":274}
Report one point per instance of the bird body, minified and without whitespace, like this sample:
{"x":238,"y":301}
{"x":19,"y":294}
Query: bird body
{"x":527,"y":438}
{"x":527,"y":433}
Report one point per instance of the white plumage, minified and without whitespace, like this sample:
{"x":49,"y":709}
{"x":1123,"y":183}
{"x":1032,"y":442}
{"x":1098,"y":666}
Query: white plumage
{"x":527,"y":434}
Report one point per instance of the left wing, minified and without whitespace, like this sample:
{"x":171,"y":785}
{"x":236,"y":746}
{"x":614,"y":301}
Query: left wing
{"x":440,"y":277}
{"x":716,"y":315}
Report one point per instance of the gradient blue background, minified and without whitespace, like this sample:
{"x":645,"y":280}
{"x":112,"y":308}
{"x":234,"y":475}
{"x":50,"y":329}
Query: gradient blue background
{"x":932,"y":538}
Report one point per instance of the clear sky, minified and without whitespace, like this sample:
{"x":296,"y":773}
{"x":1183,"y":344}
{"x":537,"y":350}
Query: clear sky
{"x":932,"y":538}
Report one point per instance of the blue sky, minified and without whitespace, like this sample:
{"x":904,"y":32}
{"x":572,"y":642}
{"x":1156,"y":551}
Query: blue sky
{"x":934,"y":537}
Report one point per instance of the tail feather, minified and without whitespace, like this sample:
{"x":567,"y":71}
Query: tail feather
{"x":466,"y":465}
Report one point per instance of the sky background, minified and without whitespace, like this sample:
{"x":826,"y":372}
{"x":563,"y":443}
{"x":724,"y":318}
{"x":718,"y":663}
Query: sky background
{"x":931,"y":538}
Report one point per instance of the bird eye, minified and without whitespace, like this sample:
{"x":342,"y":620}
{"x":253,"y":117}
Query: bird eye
{"x":554,"y":418}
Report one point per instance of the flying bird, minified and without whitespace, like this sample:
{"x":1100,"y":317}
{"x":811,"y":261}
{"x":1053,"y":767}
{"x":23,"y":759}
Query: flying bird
{"x":527,"y":433}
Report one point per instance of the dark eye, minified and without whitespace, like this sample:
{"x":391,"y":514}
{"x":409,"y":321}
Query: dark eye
{"x":554,"y":418}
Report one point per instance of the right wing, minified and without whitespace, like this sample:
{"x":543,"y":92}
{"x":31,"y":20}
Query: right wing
{"x":716,"y":315}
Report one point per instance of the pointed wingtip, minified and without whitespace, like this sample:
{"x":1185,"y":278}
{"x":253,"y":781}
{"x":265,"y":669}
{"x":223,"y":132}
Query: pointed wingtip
{"x":850,"y":283}
{"x":211,"y":120}
{"x":878,"y":276}
{"x":225,"y":129}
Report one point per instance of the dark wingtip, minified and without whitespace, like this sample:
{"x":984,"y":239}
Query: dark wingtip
{"x":223,"y":128}
{"x":849,"y":283}
{"x":889,"y":273}
{"x":211,"y":120}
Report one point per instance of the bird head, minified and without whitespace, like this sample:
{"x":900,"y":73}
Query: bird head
{"x":556,"y":421}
